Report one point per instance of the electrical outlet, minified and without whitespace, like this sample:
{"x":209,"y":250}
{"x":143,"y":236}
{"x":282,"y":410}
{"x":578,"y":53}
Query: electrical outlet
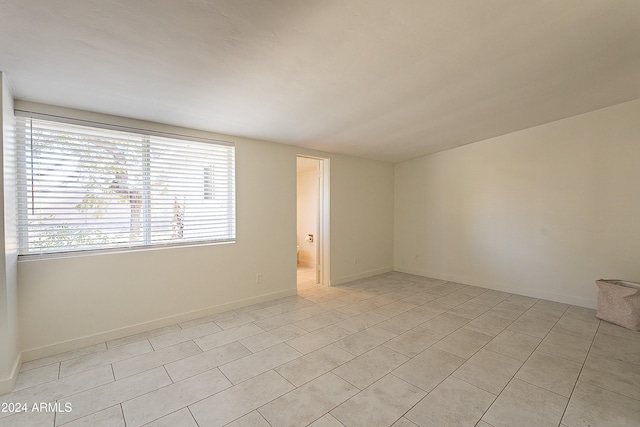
{"x":417,"y":258}
{"x":355,"y":261}
{"x":258,"y":278}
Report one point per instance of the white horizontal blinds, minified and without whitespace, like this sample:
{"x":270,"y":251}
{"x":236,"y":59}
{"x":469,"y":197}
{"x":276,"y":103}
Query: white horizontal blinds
{"x":87,"y":188}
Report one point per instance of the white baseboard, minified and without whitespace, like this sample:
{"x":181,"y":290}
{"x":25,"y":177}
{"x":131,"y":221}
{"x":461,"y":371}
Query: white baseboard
{"x":7,"y":384}
{"x":347,"y":279}
{"x":534,"y":293}
{"x":73,"y":344}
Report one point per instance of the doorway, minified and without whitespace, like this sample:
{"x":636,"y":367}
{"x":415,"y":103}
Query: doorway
{"x":312,"y":221}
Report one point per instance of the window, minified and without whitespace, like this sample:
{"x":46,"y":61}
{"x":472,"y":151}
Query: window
{"x":85,"y":188}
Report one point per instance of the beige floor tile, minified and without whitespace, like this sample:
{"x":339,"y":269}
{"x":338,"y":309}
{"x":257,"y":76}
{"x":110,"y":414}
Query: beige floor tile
{"x":302,"y":343}
{"x":395,"y":308}
{"x":314,"y":310}
{"x":439,"y":305}
{"x":252,"y":419}
{"x":473,"y":291}
{"x":452,"y":403}
{"x":548,"y":309}
{"x":245,"y":318}
{"x":365,"y":340}
{"x":509,"y":309}
{"x":37,"y":376}
{"x":355,"y":309}
{"x":105,"y":396}
{"x":326,"y":421}
{"x":283,"y":319}
{"x":502,"y":294}
{"x":513,"y":344}
{"x":110,"y":417}
{"x":445,"y":323}
{"x":441,"y":290}
{"x":469,"y":310}
{"x":95,"y":360}
{"x":532,"y":325}
{"x":151,"y":360}
{"x":181,"y":418}
{"x":318,"y":339}
{"x":308,"y":402}
{"x":607,"y":328}
{"x":613,"y":375}
{"x":321,"y":320}
{"x":217,"y":316}
{"x":286,"y":304}
{"x":404,"y":422}
{"x":565,"y":346}
{"x":231,"y":404}
{"x":427,"y":312}
{"x":227,"y":336}
{"x":550,"y":372}
{"x":429,"y":368}
{"x":204,"y":361}
{"x":380,"y":404}
{"x":421,"y":298}
{"x":488,"y":299}
{"x":361,"y":321}
{"x":525,"y":405}
{"x":488,"y":324}
{"x":255,"y":364}
{"x":402,"y":322}
{"x":456,"y":299}
{"x":61,"y":389}
{"x":166,"y":400}
{"x":142,"y":336}
{"x":593,"y":406}
{"x":582,"y":313}
{"x":463,"y":342}
{"x":68,"y":355}
{"x":29,"y":419}
{"x":488,"y":370}
{"x":273,"y":337}
{"x":576,"y":327}
{"x":182,"y":335}
{"x":522,"y":301}
{"x":366,"y":369}
{"x":506,"y":311}
{"x":617,"y":348}
{"x":414,"y":341}
{"x":455,"y":285}
{"x":314,"y":364}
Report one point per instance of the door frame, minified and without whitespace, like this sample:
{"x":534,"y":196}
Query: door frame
{"x":323,"y":259}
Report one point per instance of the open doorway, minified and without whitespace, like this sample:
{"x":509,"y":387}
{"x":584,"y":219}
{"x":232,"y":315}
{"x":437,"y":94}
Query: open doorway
{"x":312,"y":222}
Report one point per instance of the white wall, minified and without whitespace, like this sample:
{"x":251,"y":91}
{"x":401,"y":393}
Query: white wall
{"x":9,"y":340}
{"x":68,"y":302}
{"x":360,"y":218}
{"x":542,"y":212}
{"x":307,"y":194}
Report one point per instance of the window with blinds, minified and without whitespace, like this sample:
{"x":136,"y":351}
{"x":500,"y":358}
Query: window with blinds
{"x":84,"y":187}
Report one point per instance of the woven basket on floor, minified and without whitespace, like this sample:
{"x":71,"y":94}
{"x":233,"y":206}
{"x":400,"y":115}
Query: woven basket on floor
{"x":619,"y":303}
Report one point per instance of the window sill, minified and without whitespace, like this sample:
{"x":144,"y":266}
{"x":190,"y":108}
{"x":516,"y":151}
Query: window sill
{"x":99,"y":252}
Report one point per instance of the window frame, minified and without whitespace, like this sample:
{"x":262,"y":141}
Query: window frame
{"x":148,"y":243}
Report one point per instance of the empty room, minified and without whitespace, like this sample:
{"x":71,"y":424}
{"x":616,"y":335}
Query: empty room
{"x":320,"y":213}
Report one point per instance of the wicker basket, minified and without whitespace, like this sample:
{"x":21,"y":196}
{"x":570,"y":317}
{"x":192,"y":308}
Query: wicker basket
{"x":619,"y":303}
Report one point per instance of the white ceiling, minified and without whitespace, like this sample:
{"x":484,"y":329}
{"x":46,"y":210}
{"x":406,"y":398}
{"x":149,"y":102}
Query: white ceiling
{"x":380,"y":79}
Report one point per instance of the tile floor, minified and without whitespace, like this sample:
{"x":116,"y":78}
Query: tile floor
{"x":394,"y":349}
{"x":306,"y":277}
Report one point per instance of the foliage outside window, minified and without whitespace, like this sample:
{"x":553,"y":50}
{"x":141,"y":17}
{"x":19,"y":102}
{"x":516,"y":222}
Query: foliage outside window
{"x":88,"y":188}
